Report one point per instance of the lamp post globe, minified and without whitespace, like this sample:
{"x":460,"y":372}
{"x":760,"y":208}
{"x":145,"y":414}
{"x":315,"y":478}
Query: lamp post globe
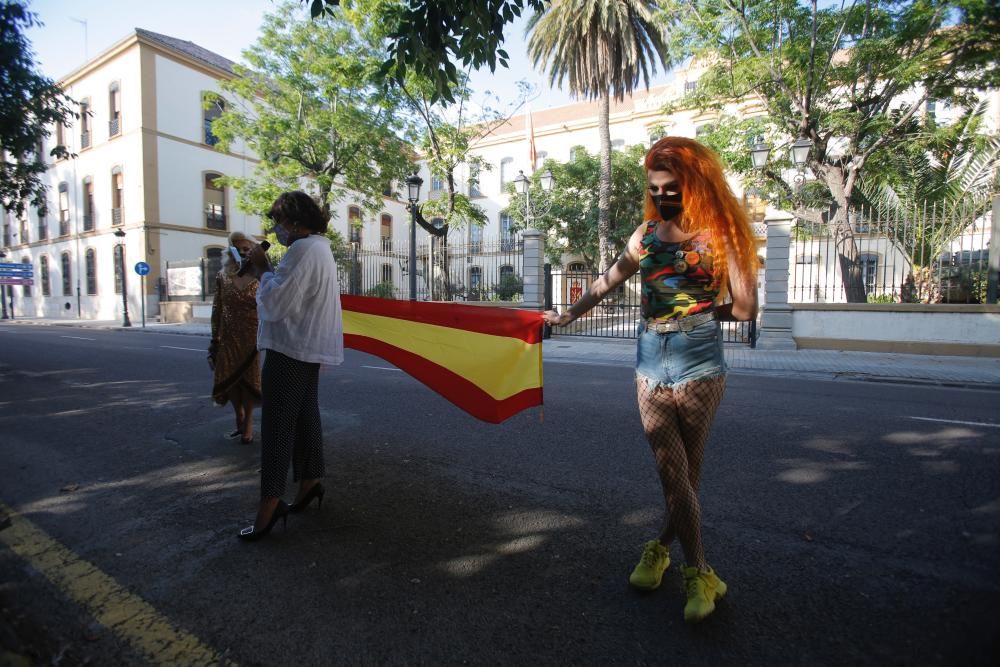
{"x":547,"y":180}
{"x":413,"y":183}
{"x":521,"y":183}
{"x":120,"y":233}
{"x":800,"y":151}
{"x":759,"y":153}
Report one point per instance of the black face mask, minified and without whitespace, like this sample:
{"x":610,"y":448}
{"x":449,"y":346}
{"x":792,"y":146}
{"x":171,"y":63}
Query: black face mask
{"x":669,"y":206}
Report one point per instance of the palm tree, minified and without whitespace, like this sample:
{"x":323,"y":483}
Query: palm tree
{"x":602,"y":48}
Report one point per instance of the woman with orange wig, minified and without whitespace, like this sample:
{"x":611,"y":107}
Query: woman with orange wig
{"x":694,"y":248}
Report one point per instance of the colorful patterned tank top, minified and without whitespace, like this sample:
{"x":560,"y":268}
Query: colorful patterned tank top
{"x":677,"y":276}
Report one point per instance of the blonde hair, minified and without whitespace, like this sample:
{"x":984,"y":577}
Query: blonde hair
{"x":229,"y":265}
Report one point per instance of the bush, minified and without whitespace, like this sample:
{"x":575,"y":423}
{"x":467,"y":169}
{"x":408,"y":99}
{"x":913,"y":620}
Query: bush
{"x":510,"y":286}
{"x":384,"y":290}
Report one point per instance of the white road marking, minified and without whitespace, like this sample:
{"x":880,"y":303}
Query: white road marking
{"x":190,"y":349}
{"x":382,"y":368}
{"x":956,"y":421}
{"x":77,"y":337}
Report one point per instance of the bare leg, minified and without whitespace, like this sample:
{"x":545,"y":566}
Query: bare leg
{"x":246,"y":427}
{"x":659,"y":412}
{"x":234,"y":400}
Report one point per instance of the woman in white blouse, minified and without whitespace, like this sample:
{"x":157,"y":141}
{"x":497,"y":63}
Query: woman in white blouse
{"x":298,"y":306}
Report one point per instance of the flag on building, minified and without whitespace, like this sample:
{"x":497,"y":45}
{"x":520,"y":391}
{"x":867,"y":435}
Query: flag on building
{"x":487,"y":361}
{"x":532,"y":153}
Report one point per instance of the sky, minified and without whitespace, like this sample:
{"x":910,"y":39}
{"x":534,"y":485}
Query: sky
{"x":227,"y":27}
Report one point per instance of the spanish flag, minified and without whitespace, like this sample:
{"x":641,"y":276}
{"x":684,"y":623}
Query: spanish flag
{"x":487,"y":361}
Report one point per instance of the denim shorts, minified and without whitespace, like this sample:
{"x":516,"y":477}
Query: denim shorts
{"x":673,"y":358}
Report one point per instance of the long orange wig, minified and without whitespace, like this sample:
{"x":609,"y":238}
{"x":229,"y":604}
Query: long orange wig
{"x":709,"y":203}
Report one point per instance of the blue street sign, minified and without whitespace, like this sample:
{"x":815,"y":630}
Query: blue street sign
{"x":141,"y":268}
{"x":7,"y":273}
{"x":18,"y":267}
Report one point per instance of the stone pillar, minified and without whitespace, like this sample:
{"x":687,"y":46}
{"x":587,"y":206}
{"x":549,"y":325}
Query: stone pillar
{"x":533,"y":269}
{"x":776,"y":323}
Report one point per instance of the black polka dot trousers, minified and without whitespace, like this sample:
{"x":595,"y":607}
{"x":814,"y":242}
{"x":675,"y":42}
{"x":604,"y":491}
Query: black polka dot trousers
{"x":289,"y":423}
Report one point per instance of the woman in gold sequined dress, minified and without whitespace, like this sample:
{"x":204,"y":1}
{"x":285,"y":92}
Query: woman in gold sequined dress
{"x":233,"y":352}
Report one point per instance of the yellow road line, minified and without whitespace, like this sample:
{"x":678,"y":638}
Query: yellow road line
{"x":129,"y":616}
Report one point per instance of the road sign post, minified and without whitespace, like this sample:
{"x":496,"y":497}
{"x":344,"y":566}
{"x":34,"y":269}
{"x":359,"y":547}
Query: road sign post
{"x":142,"y":269}
{"x":13,"y":274}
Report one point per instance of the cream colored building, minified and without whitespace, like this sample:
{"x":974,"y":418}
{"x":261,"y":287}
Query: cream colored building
{"x":144,"y":165}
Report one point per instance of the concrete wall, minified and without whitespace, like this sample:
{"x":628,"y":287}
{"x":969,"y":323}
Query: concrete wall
{"x":972,"y":330}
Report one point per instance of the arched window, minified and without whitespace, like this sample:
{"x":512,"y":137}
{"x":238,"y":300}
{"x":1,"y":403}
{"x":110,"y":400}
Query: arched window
{"x":43,"y":225}
{"x":540,"y":157}
{"x":67,"y":278}
{"x":117,"y":196}
{"x":63,"y":209}
{"x":91,"y":271}
{"x":506,"y":171}
{"x":27,"y":288}
{"x":475,"y":238}
{"x":215,"y":202}
{"x":385,"y":231}
{"x":437,"y":183}
{"x":23,"y":225}
{"x":114,"y":110}
{"x":85,"y":124}
{"x":354,"y":224}
{"x":119,"y":255}
{"x":44,"y":271}
{"x":703,"y":130}
{"x":474,"y":190}
{"x":576,"y":267}
{"x":869,"y":270}
{"x":506,"y":232}
{"x":618,"y":144}
{"x":210,"y":111}
{"x":476,"y":283}
{"x":506,"y":271}
{"x":655,"y":134}
{"x":88,"y":204}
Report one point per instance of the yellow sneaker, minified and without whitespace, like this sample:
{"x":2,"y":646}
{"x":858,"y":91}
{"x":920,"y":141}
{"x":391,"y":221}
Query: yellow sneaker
{"x":703,"y":589}
{"x":649,"y":572}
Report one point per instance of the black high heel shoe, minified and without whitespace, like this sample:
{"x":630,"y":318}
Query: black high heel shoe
{"x":252,"y":534}
{"x":316,"y":491}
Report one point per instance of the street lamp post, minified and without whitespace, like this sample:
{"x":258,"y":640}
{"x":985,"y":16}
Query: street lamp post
{"x":3,"y":299}
{"x":523,"y":186}
{"x":799,"y":150}
{"x":120,"y":233}
{"x":413,"y":183}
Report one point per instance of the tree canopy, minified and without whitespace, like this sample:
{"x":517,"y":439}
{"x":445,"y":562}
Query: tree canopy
{"x":309,"y":105}
{"x":849,"y":77}
{"x":429,"y":36}
{"x":571,"y":221}
{"x":30,"y":104}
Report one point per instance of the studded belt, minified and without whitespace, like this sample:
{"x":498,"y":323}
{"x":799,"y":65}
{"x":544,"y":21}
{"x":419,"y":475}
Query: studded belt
{"x":680,"y":323}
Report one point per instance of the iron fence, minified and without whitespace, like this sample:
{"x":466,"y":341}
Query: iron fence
{"x":931,"y":254}
{"x":480,"y":270}
{"x":619,"y":313}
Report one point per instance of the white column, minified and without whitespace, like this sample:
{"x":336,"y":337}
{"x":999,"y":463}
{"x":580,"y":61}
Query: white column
{"x":533,"y":269}
{"x":776,"y":322}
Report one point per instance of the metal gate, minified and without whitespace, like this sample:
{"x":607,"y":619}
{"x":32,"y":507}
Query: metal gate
{"x":618,"y":315}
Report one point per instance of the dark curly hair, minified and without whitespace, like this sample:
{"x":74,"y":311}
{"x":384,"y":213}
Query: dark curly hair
{"x":299,"y":208}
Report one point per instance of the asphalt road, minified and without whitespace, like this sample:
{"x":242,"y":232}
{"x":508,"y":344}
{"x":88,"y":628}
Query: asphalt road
{"x":855,"y":523}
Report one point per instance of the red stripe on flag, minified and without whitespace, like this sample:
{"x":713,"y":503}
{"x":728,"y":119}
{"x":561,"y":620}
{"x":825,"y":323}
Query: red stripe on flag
{"x":452,"y":386}
{"x":525,"y":325}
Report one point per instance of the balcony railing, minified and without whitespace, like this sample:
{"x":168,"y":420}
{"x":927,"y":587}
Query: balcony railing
{"x":64,"y":226}
{"x":43,"y":231}
{"x":114,"y":126}
{"x":88,"y":223}
{"x":116,"y":216}
{"x":215,"y":220}
{"x":386,"y":244}
{"x":85,"y":140}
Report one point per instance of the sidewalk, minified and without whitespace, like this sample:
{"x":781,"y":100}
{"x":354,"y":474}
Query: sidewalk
{"x":976,"y":372}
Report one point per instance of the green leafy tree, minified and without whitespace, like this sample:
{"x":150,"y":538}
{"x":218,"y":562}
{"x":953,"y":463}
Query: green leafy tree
{"x":932,"y":188}
{"x":29,"y":105}
{"x":311,"y":107}
{"x":427,"y":37}
{"x":601,"y":48}
{"x":850,"y":77}
{"x":571,"y":221}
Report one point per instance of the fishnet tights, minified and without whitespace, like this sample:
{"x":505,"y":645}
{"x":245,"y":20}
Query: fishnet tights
{"x":677,"y":423}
